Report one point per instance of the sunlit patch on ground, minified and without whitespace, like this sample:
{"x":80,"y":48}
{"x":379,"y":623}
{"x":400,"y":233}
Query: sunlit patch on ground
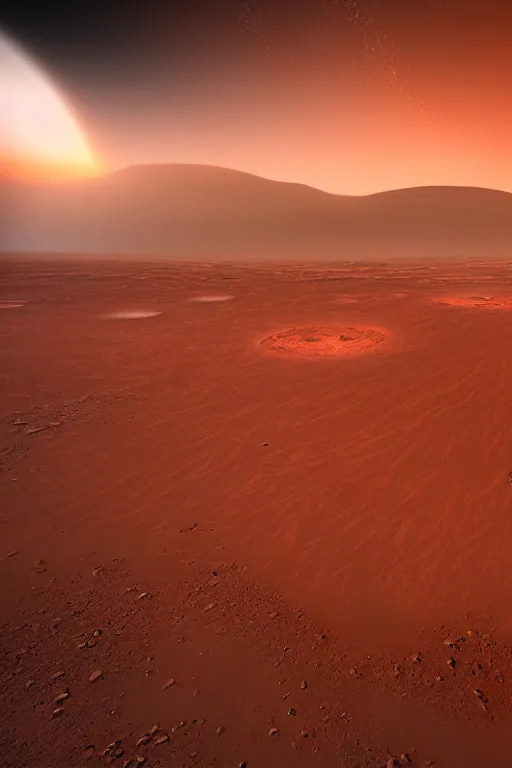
{"x":216,"y":297}
{"x":484,"y":302}
{"x":324,"y":342}
{"x":347,"y":300}
{"x":130,"y":315}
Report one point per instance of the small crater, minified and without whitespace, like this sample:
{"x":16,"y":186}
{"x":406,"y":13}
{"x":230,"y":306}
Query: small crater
{"x":324,"y":342}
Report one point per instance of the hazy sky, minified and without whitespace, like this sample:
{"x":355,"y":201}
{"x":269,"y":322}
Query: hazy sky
{"x":351,"y":96}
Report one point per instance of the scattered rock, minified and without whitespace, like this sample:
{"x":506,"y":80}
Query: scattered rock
{"x":140,"y":760}
{"x":273,"y":731}
{"x":169,"y":684}
{"x":128,"y":763}
{"x":451,"y":662}
{"x":57,"y":675}
{"x":89,"y":751}
{"x":108,"y":751}
{"x":304,"y":685}
{"x":58,"y":712}
{"x":143,"y":595}
{"x":29,"y":683}
{"x":392,"y":763}
{"x":220,"y":730}
{"x":97,"y":675}
{"x":453,"y":641}
{"x":304,"y":733}
{"x":162,"y":739}
{"x":144,"y":739}
{"x":62,"y":697}
{"x":405,"y":758}
{"x":292,"y":712}
{"x":154,"y":730}
{"x":14,"y":552}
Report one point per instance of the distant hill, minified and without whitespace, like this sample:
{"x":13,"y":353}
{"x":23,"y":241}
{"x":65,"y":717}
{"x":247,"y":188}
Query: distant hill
{"x":195,"y":211}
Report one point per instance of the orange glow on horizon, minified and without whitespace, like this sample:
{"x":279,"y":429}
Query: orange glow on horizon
{"x":45,"y":172}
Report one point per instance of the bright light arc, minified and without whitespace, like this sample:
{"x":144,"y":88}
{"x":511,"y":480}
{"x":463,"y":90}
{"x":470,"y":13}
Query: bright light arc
{"x":36,"y":125}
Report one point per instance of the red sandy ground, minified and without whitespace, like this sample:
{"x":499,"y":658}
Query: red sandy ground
{"x":321,"y":549}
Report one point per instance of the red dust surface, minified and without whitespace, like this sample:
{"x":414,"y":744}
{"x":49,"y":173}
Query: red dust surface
{"x":212,"y":556}
{"x":324,"y":342}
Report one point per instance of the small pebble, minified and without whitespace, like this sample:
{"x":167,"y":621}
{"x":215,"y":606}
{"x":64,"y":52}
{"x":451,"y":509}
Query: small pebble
{"x":210,"y":606}
{"x":169,"y":684}
{"x":220,"y":730}
{"x":292,"y":712}
{"x":57,"y":712}
{"x":162,"y":739}
{"x":96,"y":676}
{"x":273,"y":731}
{"x":62,"y":697}
{"x":304,"y":685}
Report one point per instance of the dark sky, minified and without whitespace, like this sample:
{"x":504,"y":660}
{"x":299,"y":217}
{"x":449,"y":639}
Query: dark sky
{"x":349,"y":95}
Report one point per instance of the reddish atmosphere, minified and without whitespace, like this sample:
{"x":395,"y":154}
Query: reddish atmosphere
{"x":350,"y":96}
{"x":255,"y":384}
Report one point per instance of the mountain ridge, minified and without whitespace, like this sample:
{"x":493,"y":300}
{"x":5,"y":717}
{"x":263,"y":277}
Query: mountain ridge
{"x":184,"y":210}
